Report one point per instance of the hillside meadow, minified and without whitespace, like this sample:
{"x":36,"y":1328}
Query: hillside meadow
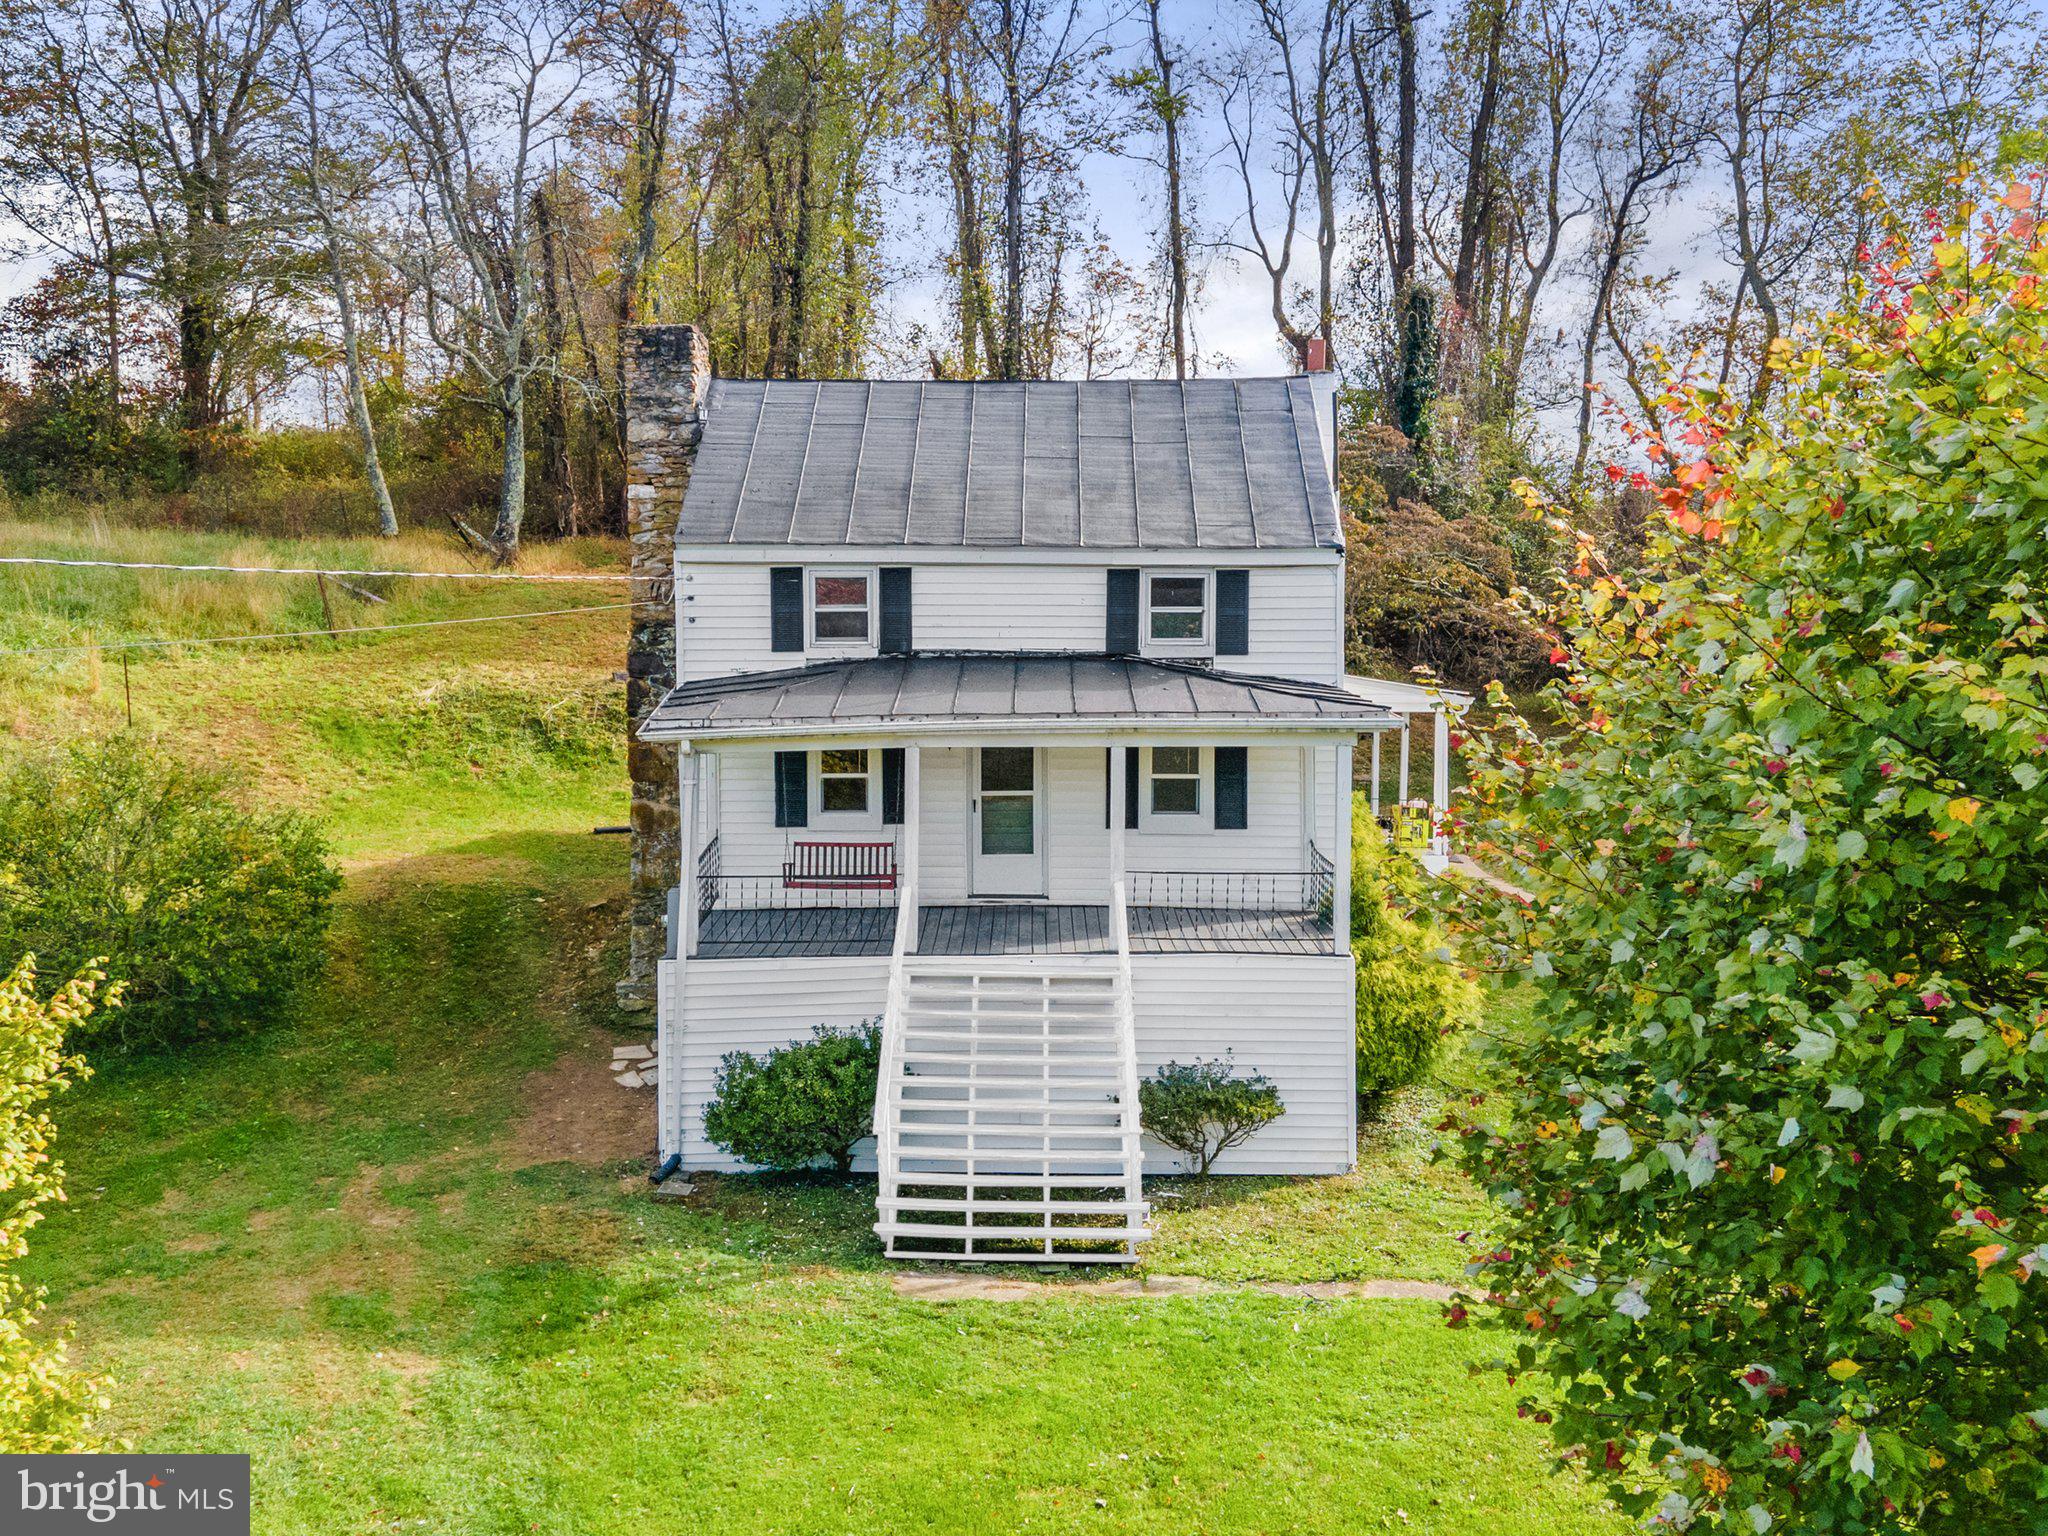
{"x":402,"y":1251}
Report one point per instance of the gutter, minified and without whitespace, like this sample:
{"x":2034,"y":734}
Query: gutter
{"x":1335,"y":728}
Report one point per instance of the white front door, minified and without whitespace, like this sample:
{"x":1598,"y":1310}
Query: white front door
{"x":1008,"y":823}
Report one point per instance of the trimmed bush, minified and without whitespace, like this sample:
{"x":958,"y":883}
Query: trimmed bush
{"x":807,"y":1101}
{"x":44,"y":1407}
{"x":1410,"y":999}
{"x":209,"y":915}
{"x":1204,"y":1108}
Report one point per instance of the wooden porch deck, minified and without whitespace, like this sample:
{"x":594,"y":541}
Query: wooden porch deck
{"x":1008,"y":928}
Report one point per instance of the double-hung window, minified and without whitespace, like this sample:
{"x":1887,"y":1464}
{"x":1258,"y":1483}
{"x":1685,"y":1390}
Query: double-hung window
{"x":846,"y":786}
{"x":1173,"y":787}
{"x":1178,"y":613}
{"x":842,"y":608}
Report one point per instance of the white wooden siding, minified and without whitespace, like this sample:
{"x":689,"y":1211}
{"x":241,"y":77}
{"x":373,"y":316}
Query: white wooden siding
{"x":722,"y":610}
{"x":756,"y":1006}
{"x":1077,"y":842}
{"x":1289,"y":1016}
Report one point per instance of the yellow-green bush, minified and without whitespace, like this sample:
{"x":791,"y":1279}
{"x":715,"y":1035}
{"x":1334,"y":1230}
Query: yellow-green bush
{"x":44,"y":1406}
{"x":1410,"y":997}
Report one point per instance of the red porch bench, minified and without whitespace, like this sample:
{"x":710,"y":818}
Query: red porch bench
{"x":840,"y":867}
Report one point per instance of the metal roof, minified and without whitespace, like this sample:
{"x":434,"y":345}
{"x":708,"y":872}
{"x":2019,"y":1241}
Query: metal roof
{"x":1105,"y":464}
{"x":1407,"y":698}
{"x":906,"y":694}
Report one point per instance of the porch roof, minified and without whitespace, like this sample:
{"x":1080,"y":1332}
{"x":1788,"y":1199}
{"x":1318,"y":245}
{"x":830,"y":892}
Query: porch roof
{"x":951,"y":692}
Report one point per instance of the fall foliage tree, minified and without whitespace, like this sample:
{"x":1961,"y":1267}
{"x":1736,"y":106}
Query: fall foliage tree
{"x":1772,"y":1174}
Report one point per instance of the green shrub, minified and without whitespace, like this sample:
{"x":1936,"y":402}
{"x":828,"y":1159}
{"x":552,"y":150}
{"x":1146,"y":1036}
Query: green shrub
{"x":791,"y":1107}
{"x":210,"y":916}
{"x":1203,"y":1109}
{"x":1410,"y":999}
{"x":1770,"y":1172}
{"x":44,"y":1407}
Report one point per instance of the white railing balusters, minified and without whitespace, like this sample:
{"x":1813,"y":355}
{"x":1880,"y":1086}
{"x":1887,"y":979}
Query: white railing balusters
{"x":1127,"y":1044}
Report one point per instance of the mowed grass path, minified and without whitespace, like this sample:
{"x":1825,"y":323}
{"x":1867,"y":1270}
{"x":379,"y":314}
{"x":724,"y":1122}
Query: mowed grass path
{"x":399,"y":1250}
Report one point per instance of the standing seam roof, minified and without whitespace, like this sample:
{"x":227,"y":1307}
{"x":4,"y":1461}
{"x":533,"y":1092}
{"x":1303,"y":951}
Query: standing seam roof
{"x":1211,"y":464}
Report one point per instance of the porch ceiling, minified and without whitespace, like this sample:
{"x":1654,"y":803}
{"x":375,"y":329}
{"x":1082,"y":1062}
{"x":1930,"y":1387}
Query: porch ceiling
{"x":963,"y":692}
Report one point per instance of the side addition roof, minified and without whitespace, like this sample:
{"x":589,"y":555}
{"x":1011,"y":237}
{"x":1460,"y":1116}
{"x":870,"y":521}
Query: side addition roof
{"x":908,"y":695}
{"x":1104,"y":464}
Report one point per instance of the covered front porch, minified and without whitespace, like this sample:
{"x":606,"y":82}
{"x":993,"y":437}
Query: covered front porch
{"x":1008,"y":928}
{"x":1210,"y":814}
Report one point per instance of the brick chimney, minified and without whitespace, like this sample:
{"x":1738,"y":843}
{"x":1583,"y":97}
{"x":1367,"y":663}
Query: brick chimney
{"x":1314,"y":353}
{"x":668,"y":375}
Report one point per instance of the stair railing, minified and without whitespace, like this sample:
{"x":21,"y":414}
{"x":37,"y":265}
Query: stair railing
{"x":1127,"y":1046}
{"x":894,"y":1007}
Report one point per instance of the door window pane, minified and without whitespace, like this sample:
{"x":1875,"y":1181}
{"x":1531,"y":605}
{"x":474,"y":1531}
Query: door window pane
{"x":1007,"y":768}
{"x":1006,"y":824}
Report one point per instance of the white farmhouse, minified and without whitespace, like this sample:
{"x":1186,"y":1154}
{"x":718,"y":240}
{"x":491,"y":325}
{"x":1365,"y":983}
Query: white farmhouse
{"x":1013,"y":715}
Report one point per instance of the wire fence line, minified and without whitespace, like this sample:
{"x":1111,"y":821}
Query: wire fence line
{"x":319,"y":634}
{"x":312,"y":570}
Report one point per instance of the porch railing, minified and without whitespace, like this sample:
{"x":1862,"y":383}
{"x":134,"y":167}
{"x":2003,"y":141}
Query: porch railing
{"x":774,"y":892}
{"x":709,"y":863}
{"x":1289,"y":890}
{"x":1322,"y":879}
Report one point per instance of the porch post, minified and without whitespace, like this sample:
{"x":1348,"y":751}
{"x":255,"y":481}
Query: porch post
{"x":1375,"y":776}
{"x":1340,"y":857}
{"x":1117,"y":792}
{"x":913,"y":823}
{"x":686,"y":840}
{"x":1308,"y":804}
{"x":1440,"y":780}
{"x":1406,"y":721}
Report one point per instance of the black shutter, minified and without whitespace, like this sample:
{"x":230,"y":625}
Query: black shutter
{"x":1121,"y":637}
{"x":792,"y":789}
{"x":1131,"y":762}
{"x":892,"y":786}
{"x":1233,"y":789}
{"x":786,"y":611}
{"x":895,"y":626}
{"x":1233,"y":613}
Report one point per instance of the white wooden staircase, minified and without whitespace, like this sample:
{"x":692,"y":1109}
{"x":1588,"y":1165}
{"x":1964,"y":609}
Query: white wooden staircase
{"x":1006,"y":1115}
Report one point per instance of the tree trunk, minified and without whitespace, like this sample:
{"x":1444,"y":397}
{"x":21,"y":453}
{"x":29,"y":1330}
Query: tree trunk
{"x":1013,"y":203}
{"x":1474,"y":207}
{"x":512,"y":477}
{"x":358,"y":394}
{"x":1176,"y":225}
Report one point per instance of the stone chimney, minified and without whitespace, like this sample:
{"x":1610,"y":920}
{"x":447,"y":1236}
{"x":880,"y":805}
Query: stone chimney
{"x":668,"y":375}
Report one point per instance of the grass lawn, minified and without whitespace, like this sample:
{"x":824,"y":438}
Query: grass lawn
{"x":400,"y":1250}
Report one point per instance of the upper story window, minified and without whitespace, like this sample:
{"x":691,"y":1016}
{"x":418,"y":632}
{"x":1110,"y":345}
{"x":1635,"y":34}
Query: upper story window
{"x":842,"y":607}
{"x":1178,"y":612}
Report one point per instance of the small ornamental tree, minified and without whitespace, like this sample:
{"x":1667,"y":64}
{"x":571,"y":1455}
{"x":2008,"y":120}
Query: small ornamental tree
{"x":1773,"y":1170}
{"x":1204,"y":1108}
{"x":44,"y":1406}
